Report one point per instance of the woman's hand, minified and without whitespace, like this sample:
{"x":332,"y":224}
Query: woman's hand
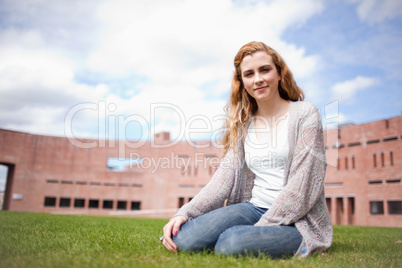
{"x":172,"y":228}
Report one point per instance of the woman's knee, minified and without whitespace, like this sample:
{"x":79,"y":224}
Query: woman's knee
{"x":189,"y":243}
{"x":183,"y":242}
{"x":229,"y":243}
{"x":273,"y":241}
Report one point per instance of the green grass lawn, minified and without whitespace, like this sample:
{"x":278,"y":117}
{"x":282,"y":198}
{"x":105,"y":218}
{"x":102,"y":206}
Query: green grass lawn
{"x":43,"y":240}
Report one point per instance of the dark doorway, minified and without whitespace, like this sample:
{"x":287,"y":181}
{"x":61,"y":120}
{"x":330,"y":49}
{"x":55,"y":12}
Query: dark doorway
{"x":339,"y":210}
{"x":7,"y":171}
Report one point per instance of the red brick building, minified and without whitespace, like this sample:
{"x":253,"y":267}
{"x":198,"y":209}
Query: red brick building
{"x":152,"y":179}
{"x":364,"y":187}
{"x":53,"y":175}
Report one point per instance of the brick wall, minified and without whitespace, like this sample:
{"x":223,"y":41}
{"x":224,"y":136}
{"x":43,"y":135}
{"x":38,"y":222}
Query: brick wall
{"x":360,"y":178}
{"x":170,"y":175}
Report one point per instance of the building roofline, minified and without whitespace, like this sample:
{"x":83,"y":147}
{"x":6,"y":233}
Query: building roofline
{"x":350,"y":123}
{"x":342,"y":125}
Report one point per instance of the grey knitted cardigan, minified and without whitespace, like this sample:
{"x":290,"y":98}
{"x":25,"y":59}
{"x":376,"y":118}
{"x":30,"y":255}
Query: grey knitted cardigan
{"x":302,"y":200}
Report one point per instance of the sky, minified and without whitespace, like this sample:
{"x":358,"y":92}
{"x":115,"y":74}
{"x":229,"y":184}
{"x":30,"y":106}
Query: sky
{"x":129,"y":69}
{"x":3,"y":176}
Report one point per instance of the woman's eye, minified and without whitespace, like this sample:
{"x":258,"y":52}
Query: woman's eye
{"x":248,"y":74}
{"x":265,"y":70}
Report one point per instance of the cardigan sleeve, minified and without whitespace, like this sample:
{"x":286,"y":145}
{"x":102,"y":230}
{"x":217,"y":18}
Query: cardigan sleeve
{"x":305,"y":182}
{"x":214,"y":194}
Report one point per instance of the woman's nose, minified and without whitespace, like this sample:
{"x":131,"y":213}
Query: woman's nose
{"x":257,"y":78}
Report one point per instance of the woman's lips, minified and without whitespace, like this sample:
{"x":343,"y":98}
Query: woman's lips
{"x":260,"y":88}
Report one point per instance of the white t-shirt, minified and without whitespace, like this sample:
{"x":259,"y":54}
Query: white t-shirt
{"x":266,"y":156}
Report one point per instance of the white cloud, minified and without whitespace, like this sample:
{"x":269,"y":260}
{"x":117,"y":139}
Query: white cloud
{"x":41,"y":45}
{"x":63,"y":24}
{"x":184,"y":45}
{"x":184,"y":49}
{"x":374,"y":11}
{"x":9,"y":38}
{"x":197,"y":37}
{"x":37,"y":88}
{"x":347,"y":90}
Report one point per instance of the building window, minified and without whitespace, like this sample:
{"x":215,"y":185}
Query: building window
{"x":376,"y":207}
{"x":50,"y":201}
{"x":339,"y":164}
{"x":186,"y":186}
{"x":65,"y":202}
{"x":135,"y":205}
{"x":93,"y":203}
{"x":393,"y":181}
{"x":328,"y":201}
{"x":354,"y":144}
{"x":353,"y":162}
{"x":390,"y":138}
{"x":122,"y":205}
{"x":351,"y":201}
{"x":339,"y":204}
{"x":346,"y":163}
{"x":339,"y":210}
{"x":117,"y":164}
{"x":382,"y":159}
{"x":181,"y":201}
{"x":79,"y":203}
{"x":375,"y":160}
{"x":391,"y":158}
{"x":107,"y":204}
{"x":395,"y":207}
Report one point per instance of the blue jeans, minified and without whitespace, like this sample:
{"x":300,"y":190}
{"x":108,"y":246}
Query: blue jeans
{"x":230,"y":231}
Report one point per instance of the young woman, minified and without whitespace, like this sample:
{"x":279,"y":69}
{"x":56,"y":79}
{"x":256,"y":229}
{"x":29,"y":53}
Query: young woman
{"x":271,"y":175}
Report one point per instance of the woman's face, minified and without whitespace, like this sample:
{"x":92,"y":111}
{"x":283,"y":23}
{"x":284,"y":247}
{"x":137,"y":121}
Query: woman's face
{"x":260,"y":76}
